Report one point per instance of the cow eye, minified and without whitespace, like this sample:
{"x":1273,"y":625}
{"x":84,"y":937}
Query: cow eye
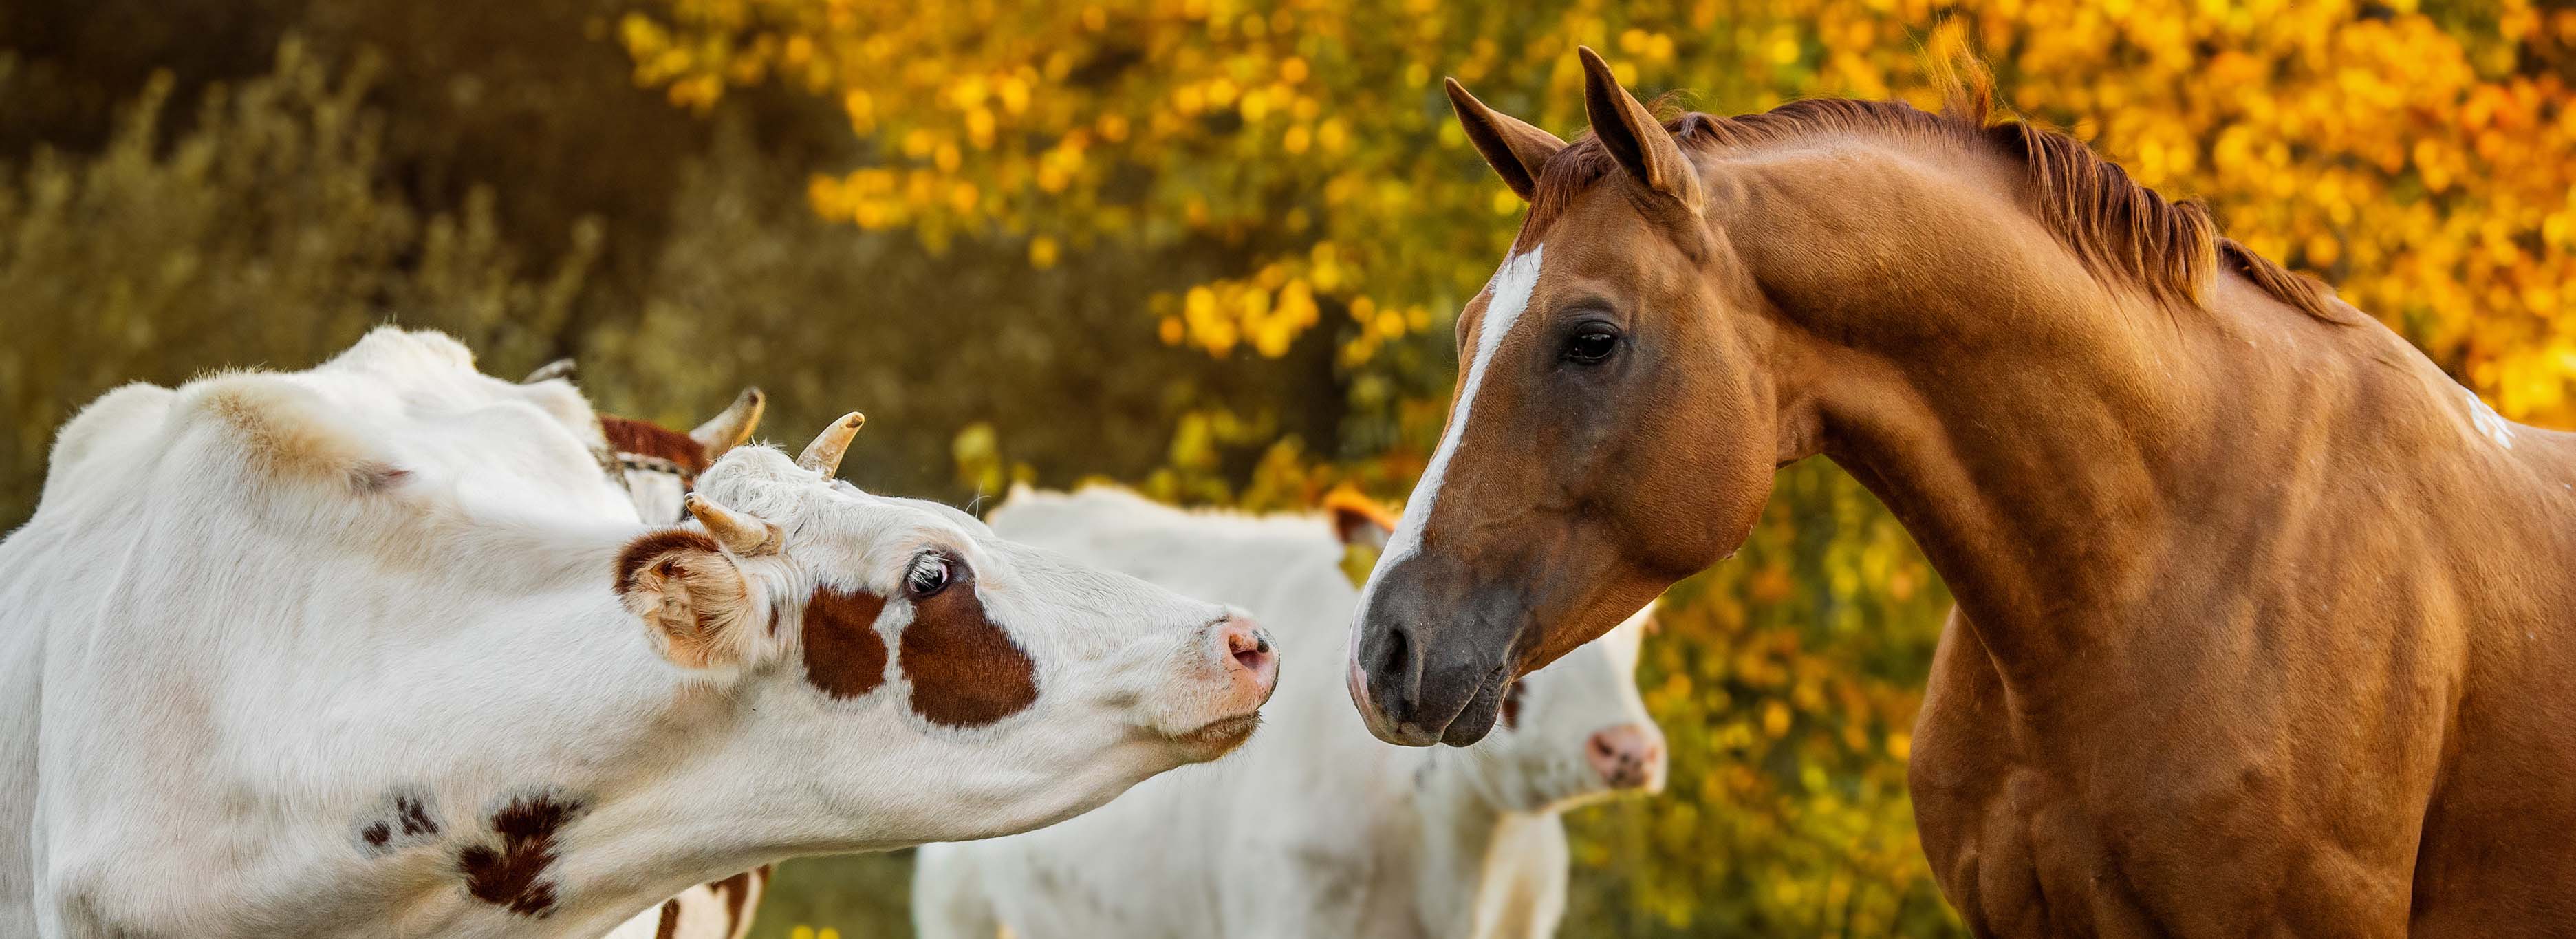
{"x":930,"y":574}
{"x":1591,"y":343}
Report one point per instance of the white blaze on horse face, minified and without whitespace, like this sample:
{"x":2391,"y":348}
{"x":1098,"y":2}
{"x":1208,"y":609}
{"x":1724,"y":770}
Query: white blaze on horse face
{"x":2487,"y":421}
{"x":1511,"y":289}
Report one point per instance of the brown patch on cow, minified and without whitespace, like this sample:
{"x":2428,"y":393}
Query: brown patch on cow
{"x":1512,"y":703}
{"x":670,"y":920}
{"x":966,"y":672}
{"x":738,"y":891}
{"x":409,"y":821}
{"x":844,"y":656}
{"x":641,"y":438}
{"x":415,"y":817}
{"x":513,"y":875}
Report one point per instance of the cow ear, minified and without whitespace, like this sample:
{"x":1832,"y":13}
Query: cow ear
{"x":1359,"y":521}
{"x":694,"y":602}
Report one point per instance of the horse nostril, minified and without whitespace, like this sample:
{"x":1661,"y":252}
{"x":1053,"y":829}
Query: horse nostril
{"x":1398,"y":653}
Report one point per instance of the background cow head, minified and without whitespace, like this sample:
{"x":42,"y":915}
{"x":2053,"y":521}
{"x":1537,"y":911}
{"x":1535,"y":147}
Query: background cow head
{"x":658,"y":465}
{"x":1576,"y":730}
{"x":1572,"y":732}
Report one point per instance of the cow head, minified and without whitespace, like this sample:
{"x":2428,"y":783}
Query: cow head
{"x":1006,"y":686}
{"x":1575,"y":731}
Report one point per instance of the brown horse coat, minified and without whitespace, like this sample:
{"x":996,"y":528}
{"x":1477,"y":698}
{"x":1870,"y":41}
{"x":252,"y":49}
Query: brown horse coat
{"x":2264,"y":623}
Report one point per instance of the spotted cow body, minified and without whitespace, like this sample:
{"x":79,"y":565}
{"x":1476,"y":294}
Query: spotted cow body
{"x":377,"y":649}
{"x":1315,"y":829}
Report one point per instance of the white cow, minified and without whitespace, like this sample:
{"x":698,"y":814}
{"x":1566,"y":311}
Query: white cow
{"x":1316,"y":828}
{"x":280,"y":655}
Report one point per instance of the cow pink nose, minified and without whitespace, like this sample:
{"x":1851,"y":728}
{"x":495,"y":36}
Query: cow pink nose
{"x":1256,"y":663}
{"x":1628,"y":756}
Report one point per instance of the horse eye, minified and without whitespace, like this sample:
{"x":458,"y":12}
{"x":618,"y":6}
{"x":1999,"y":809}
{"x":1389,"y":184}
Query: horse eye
{"x":1591,"y":343}
{"x":929,"y":576}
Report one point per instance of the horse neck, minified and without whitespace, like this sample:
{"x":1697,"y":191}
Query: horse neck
{"x":2054,"y":442}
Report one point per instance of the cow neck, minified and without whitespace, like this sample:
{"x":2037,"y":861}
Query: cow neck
{"x":1459,"y":824}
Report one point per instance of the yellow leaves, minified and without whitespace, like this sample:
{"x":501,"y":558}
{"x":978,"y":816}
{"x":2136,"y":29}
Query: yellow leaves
{"x":860,"y":107}
{"x":1653,"y":47}
{"x":697,"y":92}
{"x":1775,"y":719}
{"x":2322,"y":250}
{"x":1334,"y":135}
{"x":1782,"y":49}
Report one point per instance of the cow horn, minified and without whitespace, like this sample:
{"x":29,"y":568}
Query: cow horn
{"x":743,"y":535}
{"x":559,"y":368}
{"x":733,"y":427}
{"x":824,"y":454}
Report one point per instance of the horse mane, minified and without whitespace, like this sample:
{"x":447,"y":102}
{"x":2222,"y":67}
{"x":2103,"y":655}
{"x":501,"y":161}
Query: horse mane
{"x":2123,"y":232}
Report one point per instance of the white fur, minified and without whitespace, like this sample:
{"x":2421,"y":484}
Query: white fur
{"x":250,"y":613}
{"x":1314,"y":828}
{"x":1510,"y":295}
{"x":659,"y":496}
{"x":2487,"y":421}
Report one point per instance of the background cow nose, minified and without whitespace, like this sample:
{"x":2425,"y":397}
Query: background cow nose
{"x":1255,"y":662}
{"x":1628,"y":756}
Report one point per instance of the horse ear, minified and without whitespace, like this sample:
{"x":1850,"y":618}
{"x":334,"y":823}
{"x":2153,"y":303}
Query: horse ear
{"x":1633,"y":136}
{"x":1511,"y":146}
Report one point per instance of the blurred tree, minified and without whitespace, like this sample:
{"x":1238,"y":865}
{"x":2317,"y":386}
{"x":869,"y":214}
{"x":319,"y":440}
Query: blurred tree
{"x":264,"y":234}
{"x":2416,"y":155}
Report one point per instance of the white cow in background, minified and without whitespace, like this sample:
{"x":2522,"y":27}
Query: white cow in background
{"x":281,"y":655}
{"x":1315,"y":828}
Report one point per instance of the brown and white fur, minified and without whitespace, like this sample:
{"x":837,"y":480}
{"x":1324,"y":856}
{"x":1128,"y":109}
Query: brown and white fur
{"x":353,"y":651}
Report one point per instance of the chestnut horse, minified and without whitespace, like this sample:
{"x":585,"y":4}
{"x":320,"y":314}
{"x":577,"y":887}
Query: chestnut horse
{"x":2264,"y":623}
